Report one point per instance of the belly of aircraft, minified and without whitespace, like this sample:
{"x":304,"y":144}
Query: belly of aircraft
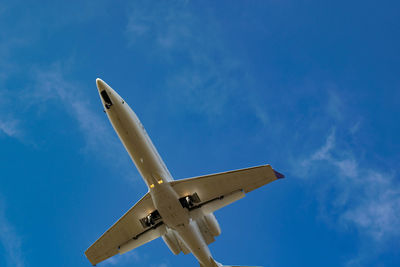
{"x":178,"y":218}
{"x":167,"y":203}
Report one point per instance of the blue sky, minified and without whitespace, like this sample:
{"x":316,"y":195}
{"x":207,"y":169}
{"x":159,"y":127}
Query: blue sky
{"x":311,"y":87}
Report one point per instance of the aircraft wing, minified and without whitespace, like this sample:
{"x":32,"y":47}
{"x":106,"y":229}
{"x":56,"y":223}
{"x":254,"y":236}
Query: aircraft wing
{"x":126,"y":230}
{"x":214,"y":191}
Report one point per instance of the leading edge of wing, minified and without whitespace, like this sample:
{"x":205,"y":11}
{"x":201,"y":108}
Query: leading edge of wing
{"x":278,"y":175}
{"x":212,"y":186}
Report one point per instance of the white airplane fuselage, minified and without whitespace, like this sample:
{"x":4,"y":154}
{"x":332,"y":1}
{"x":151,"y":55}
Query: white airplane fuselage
{"x":156,"y":175}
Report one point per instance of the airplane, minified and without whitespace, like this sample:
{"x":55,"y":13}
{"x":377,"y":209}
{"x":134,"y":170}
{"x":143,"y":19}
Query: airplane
{"x":179,"y":211}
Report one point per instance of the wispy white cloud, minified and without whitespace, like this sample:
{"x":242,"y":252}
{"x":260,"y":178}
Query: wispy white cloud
{"x":133,"y":257}
{"x":168,"y":23}
{"x":10,"y":240}
{"x":323,"y":152}
{"x":377,"y":207}
{"x":334,"y":105}
{"x":48,"y":89}
{"x":355,"y":127}
{"x":362,"y":197}
{"x":10,"y":127}
{"x":50,"y":85}
{"x":129,"y":257}
{"x":210,"y":78}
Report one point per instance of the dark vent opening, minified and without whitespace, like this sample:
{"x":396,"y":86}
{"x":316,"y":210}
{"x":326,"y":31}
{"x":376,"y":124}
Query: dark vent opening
{"x":106,"y":99}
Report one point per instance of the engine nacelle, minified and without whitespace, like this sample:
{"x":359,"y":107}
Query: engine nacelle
{"x":171,"y":241}
{"x":212,"y":224}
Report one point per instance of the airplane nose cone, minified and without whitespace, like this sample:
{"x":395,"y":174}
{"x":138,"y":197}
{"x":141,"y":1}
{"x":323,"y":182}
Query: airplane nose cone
{"x":101,"y":85}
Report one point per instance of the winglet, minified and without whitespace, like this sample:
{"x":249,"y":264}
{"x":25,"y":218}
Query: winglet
{"x":279,"y":175}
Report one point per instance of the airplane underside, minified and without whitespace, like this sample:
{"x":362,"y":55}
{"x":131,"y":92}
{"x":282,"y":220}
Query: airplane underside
{"x":181,"y":212}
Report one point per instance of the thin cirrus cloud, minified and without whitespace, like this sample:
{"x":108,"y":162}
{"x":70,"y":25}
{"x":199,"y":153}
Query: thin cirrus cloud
{"x":364,"y":198}
{"x":10,"y":124}
{"x":10,"y":240}
{"x":201,"y":85}
{"x":130,"y":257}
{"x":10,"y":127}
{"x":50,"y":84}
{"x":48,"y":87}
{"x":210,"y":77}
{"x":133,"y":257}
{"x":45,"y":85}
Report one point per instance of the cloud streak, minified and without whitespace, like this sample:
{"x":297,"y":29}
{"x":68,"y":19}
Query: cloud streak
{"x":10,"y":127}
{"x":206,"y":78}
{"x":48,"y":89}
{"x":51,"y":84}
{"x":130,"y":257}
{"x":10,"y":240}
{"x":365,"y":198}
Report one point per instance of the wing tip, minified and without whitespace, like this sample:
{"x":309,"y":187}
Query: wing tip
{"x":279,"y":175}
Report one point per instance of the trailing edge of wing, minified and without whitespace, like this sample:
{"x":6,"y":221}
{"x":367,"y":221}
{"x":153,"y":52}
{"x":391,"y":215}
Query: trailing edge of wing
{"x":127,"y":228}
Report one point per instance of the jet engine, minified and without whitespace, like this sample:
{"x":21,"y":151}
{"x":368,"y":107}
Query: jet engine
{"x":212,"y":224}
{"x":172,"y":242}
